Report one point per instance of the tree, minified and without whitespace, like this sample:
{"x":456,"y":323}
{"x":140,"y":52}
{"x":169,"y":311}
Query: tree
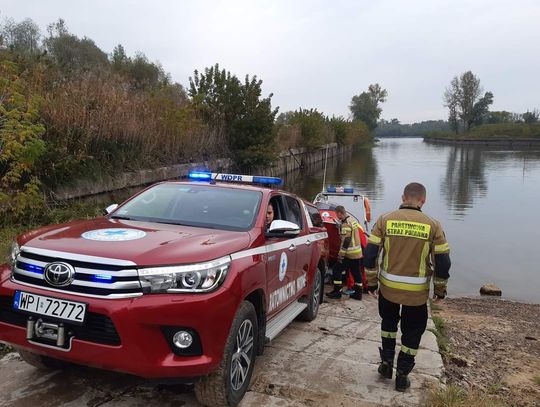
{"x":365,"y":107}
{"x":531,"y":117}
{"x":71,"y":53}
{"x":247,"y":119}
{"x":312,"y":127}
{"x":21,"y":37}
{"x":464,"y":103}
{"x":451,"y":97}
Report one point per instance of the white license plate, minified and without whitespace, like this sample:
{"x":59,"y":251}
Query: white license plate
{"x":51,"y":307}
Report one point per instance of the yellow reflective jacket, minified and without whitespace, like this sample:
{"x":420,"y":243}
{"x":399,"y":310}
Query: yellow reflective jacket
{"x":409,"y":239}
{"x":351,"y":245}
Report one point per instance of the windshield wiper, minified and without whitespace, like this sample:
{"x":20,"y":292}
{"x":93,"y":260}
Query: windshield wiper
{"x":122,"y":217}
{"x":170,"y":222}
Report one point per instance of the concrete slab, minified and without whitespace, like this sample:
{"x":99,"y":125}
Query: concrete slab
{"x":331,"y":361}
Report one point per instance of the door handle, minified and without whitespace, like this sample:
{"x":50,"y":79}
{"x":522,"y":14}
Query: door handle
{"x":308,"y":242}
{"x":292,"y":248}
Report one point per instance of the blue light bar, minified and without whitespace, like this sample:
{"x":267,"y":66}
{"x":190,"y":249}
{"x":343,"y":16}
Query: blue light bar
{"x":30,"y":267}
{"x":348,"y":190}
{"x":331,"y":189}
{"x":102,"y":278}
{"x":267,"y":180}
{"x":200,"y":175}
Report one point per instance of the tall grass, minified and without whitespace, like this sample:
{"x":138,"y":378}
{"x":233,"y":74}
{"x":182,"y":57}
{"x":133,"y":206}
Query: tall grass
{"x":97,"y":122}
{"x":454,"y":396}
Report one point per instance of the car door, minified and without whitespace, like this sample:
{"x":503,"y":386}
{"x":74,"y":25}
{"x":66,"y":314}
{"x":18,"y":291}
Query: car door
{"x":281,"y":257}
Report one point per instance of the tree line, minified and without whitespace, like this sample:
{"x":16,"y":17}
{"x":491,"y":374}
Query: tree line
{"x":468,"y":113}
{"x":69,"y":110}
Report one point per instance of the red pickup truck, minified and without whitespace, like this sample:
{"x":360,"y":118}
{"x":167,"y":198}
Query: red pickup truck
{"x":184,"y":280}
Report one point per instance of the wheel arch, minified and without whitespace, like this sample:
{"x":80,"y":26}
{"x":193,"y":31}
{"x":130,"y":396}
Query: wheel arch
{"x":257,"y":298}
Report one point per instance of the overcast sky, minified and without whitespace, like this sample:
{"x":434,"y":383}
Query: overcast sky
{"x":321,"y":53}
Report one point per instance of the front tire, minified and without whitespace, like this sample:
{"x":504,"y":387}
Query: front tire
{"x":228,"y":384}
{"x":314,"y":298}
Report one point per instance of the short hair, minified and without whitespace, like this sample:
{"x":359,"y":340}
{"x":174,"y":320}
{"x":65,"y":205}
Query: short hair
{"x":415,"y":190}
{"x":341,"y":209}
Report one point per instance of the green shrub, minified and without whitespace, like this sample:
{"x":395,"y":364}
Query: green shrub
{"x":21,"y":146}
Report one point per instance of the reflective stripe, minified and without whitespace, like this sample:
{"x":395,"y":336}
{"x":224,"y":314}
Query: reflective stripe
{"x":441,"y":248}
{"x":440,"y":282}
{"x":409,"y":351}
{"x":404,"y":279}
{"x":374,"y":239}
{"x":398,"y":282}
{"x":404,"y":286}
{"x":338,"y":282}
{"x":423,"y":256}
{"x":372,"y":272}
{"x":312,"y":237}
{"x":386,"y":334}
{"x":386,"y":253}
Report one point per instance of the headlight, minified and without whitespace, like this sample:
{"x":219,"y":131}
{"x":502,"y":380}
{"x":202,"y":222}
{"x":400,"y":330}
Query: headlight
{"x":190,"y":278}
{"x":15,"y":250}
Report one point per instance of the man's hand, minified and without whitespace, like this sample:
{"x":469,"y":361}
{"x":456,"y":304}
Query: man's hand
{"x":436,"y":298}
{"x":374,"y":293}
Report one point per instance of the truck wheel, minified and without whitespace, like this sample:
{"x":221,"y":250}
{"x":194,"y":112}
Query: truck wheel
{"x":39,"y":361}
{"x":228,"y":384}
{"x":314,"y":298}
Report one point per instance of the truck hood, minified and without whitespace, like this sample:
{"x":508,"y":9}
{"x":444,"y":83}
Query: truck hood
{"x":160,"y":244}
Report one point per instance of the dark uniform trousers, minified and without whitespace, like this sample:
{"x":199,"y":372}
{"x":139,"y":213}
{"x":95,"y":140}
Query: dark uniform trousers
{"x":413,"y":325}
{"x":340,"y":270}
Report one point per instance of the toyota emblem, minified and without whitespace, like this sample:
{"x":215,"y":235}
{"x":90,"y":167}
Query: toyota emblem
{"x":59,"y":274}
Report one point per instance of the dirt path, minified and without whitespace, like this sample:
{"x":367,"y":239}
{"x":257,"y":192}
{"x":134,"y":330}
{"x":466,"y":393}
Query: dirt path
{"x":494,"y":345}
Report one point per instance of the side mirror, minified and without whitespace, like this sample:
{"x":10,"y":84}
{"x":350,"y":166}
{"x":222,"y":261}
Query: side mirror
{"x":109,"y":209}
{"x":282,"y":228}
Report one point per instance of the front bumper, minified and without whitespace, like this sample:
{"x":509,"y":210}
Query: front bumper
{"x":143,"y":349}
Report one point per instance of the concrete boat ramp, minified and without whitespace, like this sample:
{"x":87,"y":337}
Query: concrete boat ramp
{"x":331,"y":361}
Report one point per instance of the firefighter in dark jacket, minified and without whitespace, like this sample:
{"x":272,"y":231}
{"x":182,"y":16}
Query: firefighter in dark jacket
{"x":414,"y":251}
{"x":349,"y":257}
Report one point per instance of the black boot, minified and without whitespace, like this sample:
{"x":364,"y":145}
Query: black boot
{"x":335,"y":294}
{"x":405,"y":364}
{"x":357,"y":295}
{"x":387,"y":363}
{"x":402,"y":381}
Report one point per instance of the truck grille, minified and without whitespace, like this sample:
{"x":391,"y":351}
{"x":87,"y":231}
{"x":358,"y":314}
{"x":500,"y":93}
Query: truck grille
{"x":94,"y":276}
{"x":97,"y":328}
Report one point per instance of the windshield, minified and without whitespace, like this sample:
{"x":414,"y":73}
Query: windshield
{"x":194,"y":205}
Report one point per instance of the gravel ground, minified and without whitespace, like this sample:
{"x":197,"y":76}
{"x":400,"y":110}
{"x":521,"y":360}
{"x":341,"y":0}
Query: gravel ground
{"x":494,"y":346}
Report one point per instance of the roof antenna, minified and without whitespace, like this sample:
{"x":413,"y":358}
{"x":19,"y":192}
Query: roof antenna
{"x":324,"y":176}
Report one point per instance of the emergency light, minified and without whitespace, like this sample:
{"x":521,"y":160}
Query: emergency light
{"x":200,"y":176}
{"x":346,"y":190}
{"x":216,"y":176}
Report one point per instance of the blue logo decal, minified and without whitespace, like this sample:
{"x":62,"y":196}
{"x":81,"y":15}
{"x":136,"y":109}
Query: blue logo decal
{"x":282,"y":266}
{"x":113,"y":235}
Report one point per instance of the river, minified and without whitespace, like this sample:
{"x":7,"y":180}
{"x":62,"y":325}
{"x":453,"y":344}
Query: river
{"x":485,"y":198}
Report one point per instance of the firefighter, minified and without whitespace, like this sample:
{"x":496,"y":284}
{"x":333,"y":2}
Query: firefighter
{"x":414,"y":249}
{"x":349,"y":257}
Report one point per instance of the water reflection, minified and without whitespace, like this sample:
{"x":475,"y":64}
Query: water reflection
{"x":467,"y":168}
{"x":357,"y":168}
{"x":465,"y":179}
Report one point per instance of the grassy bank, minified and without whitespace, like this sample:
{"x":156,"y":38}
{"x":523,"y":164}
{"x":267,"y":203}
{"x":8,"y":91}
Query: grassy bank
{"x":501,"y":131}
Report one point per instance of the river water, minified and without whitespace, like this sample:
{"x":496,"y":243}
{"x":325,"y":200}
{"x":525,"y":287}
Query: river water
{"x":487,"y":199}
